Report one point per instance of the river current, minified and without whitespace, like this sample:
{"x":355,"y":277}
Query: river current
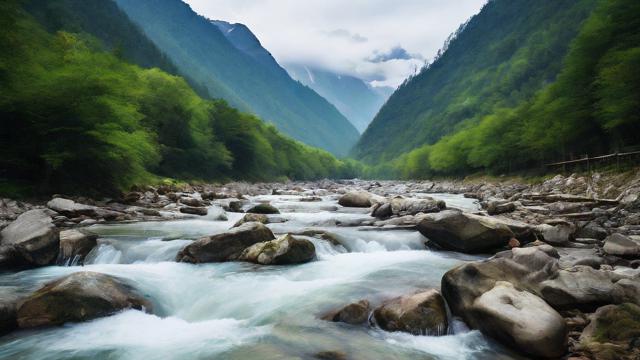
{"x":239,"y":310}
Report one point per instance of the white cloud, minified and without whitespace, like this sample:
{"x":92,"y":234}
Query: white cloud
{"x":346,"y":36}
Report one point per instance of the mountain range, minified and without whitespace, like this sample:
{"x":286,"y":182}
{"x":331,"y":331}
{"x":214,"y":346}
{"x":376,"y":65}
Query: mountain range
{"x":232,"y":65}
{"x":356,"y":99}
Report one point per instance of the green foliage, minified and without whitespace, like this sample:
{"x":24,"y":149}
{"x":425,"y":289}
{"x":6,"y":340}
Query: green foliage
{"x":201,"y":51}
{"x":78,"y":119}
{"x":592,"y":106}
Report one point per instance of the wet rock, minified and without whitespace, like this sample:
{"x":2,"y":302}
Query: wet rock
{"x":560,"y":233}
{"x":74,"y":246}
{"x":310,"y":199}
{"x":8,"y":314}
{"x":78,"y":297}
{"x":281,"y":251}
{"x":31,"y":240}
{"x":613,"y":333}
{"x":464,"y":232}
{"x":261,"y":218}
{"x":70,"y":208}
{"x":359,"y":199}
{"x":500,"y":207}
{"x":520,"y":320}
{"x":131,"y":197}
{"x":225,"y":246}
{"x":423,"y":313}
{"x":200,"y":211}
{"x":192,"y":202}
{"x":382,"y":211}
{"x":331,"y":355}
{"x":264,"y":209}
{"x":354,"y":313}
{"x":620,"y":245}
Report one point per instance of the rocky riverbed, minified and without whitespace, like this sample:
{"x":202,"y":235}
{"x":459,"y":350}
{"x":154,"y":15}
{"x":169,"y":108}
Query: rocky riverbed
{"x":330,"y":269}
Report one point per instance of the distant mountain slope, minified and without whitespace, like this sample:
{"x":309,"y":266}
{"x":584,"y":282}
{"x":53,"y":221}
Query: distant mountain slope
{"x":202,"y":51}
{"x":502,"y":56}
{"x":104,"y":20}
{"x":355,"y":99}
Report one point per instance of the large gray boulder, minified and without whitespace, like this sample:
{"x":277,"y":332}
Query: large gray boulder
{"x":75,"y":245}
{"x":226,"y":246}
{"x":31,"y":240}
{"x":423,"y":313}
{"x":468,"y":233}
{"x":620,"y":245}
{"x":281,"y":251}
{"x":557,"y":233}
{"x":361,"y":199}
{"x":79,"y":297}
{"x":520,"y":320}
{"x":70,"y":208}
{"x":400,"y":206}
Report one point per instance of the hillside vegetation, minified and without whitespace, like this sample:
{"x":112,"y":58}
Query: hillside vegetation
{"x":77,"y":117}
{"x":521,"y":84}
{"x":200,"y":50}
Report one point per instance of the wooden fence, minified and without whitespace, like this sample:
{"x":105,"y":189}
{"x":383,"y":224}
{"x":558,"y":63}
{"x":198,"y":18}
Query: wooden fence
{"x":589,"y":161}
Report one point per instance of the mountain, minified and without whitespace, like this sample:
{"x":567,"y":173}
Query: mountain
{"x":247,"y":80}
{"x":501,"y":56}
{"x":358,"y":101}
{"x":522,"y":84}
{"x":80,"y":117}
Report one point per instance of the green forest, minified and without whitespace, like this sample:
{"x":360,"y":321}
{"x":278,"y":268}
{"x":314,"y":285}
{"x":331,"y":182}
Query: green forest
{"x":78,"y":117}
{"x":551,"y":81}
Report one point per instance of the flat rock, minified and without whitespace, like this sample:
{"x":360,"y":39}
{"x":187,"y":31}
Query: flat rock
{"x":70,"y":208}
{"x":32,"y":239}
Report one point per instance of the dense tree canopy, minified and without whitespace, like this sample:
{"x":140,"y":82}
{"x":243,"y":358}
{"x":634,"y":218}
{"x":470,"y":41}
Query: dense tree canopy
{"x":591,"y":107}
{"x":78,"y":118}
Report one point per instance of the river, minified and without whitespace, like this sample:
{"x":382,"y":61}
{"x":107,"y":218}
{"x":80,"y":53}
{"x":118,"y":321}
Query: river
{"x":243,"y":311}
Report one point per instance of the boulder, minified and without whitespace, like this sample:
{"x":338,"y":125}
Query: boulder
{"x":423,"y":313}
{"x":261,"y":218}
{"x":78,"y":297}
{"x":189,"y":201}
{"x":200,"y":211}
{"x":468,"y":233}
{"x":354,"y":313}
{"x":32,"y":239}
{"x":225,"y":246}
{"x":520,"y":320}
{"x":400,"y":206}
{"x":281,"y":251}
{"x":359,"y":199}
{"x":613,"y":333}
{"x":263,"y":209}
{"x":559,"y":233}
{"x":8,"y":314}
{"x":620,"y":245}
{"x":74,"y":246}
{"x":500,"y":207}
{"x":70,"y":208}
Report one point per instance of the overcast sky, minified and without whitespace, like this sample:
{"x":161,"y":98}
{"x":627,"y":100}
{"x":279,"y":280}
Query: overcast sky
{"x":381,"y":41}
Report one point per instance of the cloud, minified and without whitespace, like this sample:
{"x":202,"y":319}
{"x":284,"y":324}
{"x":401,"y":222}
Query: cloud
{"x":345,"y":34}
{"x":370,"y":39}
{"x":395,"y":53}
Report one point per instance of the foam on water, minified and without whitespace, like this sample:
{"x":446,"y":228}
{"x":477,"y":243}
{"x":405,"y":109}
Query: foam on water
{"x":245,"y":311}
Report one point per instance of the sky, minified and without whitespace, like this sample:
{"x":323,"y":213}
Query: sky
{"x":379,"y":41}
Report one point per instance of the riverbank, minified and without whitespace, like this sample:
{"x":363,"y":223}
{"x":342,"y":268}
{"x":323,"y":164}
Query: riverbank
{"x":541,"y":268}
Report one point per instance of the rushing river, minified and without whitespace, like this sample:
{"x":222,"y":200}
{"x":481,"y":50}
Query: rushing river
{"x":244,"y":311}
